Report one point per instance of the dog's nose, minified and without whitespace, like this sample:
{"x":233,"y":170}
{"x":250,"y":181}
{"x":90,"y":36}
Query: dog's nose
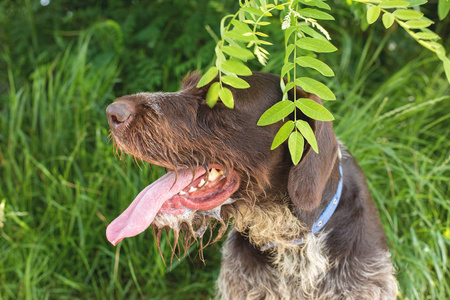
{"x":118,"y":114}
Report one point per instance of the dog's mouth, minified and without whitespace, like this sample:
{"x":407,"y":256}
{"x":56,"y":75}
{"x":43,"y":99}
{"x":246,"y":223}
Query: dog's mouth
{"x":172,"y":197}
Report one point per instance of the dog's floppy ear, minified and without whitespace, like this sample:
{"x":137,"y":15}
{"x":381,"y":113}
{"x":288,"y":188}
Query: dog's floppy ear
{"x":307,"y":179}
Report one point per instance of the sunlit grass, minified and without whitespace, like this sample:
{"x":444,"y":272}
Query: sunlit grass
{"x":399,"y":135}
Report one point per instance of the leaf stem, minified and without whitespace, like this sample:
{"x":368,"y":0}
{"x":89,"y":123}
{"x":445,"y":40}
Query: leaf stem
{"x":295,"y":66}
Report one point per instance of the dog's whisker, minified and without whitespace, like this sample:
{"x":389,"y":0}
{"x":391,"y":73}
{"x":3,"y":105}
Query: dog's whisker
{"x":175,"y":245}
{"x":157,"y":233}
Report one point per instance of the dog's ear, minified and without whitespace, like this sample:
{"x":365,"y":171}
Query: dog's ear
{"x":307,"y":179}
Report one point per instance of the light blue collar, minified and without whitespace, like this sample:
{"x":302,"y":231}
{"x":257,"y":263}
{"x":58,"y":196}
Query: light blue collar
{"x":324,"y":216}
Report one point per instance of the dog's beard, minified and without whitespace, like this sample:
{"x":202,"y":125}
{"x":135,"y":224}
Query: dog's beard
{"x":201,"y":227}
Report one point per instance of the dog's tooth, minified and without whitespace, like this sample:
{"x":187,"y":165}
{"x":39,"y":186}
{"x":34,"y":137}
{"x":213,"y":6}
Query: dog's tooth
{"x":182,"y":193}
{"x":192,"y":189}
{"x":213,"y":174}
{"x":202,"y":183}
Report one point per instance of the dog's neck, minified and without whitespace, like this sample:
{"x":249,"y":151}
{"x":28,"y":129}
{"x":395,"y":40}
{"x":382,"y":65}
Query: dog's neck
{"x":277,"y":224}
{"x":324,"y":217}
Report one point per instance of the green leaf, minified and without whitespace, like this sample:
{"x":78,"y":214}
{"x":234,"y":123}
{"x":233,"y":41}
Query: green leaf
{"x":316,"y":45}
{"x":288,"y":32}
{"x":208,"y":77}
{"x":238,"y":35}
{"x":235,"y":82}
{"x":253,"y":11}
{"x":318,"y":3}
{"x":394,"y":4}
{"x":261,"y":34}
{"x":417,"y":2}
{"x":286,"y":68}
{"x":442,"y":57}
{"x":282,"y":134}
{"x":288,"y":52}
{"x":238,"y":52}
{"x":438,"y":47}
{"x":313,"y":86}
{"x":308,"y":134}
{"x":373,"y":12}
{"x":427,"y":35}
{"x":447,"y":68}
{"x":226,"y":97}
{"x":236,"y":67}
{"x":263,"y":5}
{"x":264,"y":42}
{"x":213,"y":94}
{"x":407,"y":14}
{"x":388,"y":20}
{"x":288,"y":87}
{"x":220,"y":56}
{"x":277,"y":112}
{"x":315,"y":14}
{"x":443,"y":8}
{"x":295,"y":144}
{"x":311,"y":32}
{"x":313,"y":109}
{"x":241,"y":26}
{"x":311,"y":62}
{"x":420,"y":23}
{"x":222,"y":24}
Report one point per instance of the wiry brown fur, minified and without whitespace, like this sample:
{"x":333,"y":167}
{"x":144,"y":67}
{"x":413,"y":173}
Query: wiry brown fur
{"x":276,"y":202}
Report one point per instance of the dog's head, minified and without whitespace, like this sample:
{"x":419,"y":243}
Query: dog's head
{"x":217,"y":157}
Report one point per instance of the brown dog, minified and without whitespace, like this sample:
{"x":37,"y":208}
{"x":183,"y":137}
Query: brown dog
{"x":286,"y":242}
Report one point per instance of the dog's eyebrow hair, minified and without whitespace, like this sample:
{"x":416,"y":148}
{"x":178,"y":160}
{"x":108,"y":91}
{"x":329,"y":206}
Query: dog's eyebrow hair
{"x":153,"y":102}
{"x":155,"y":106}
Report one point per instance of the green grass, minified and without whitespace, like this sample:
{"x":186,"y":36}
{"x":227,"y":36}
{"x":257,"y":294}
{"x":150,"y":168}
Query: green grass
{"x":400,"y":138}
{"x":61,"y":182}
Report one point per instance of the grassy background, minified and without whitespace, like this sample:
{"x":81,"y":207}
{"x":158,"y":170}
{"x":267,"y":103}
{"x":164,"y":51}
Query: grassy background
{"x":61,"y":182}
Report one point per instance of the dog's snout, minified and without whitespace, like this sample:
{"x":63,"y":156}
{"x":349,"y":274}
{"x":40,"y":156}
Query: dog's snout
{"x":118,"y":114}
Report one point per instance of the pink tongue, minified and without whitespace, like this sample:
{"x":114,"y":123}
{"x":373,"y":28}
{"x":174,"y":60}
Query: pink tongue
{"x":141,"y":212}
